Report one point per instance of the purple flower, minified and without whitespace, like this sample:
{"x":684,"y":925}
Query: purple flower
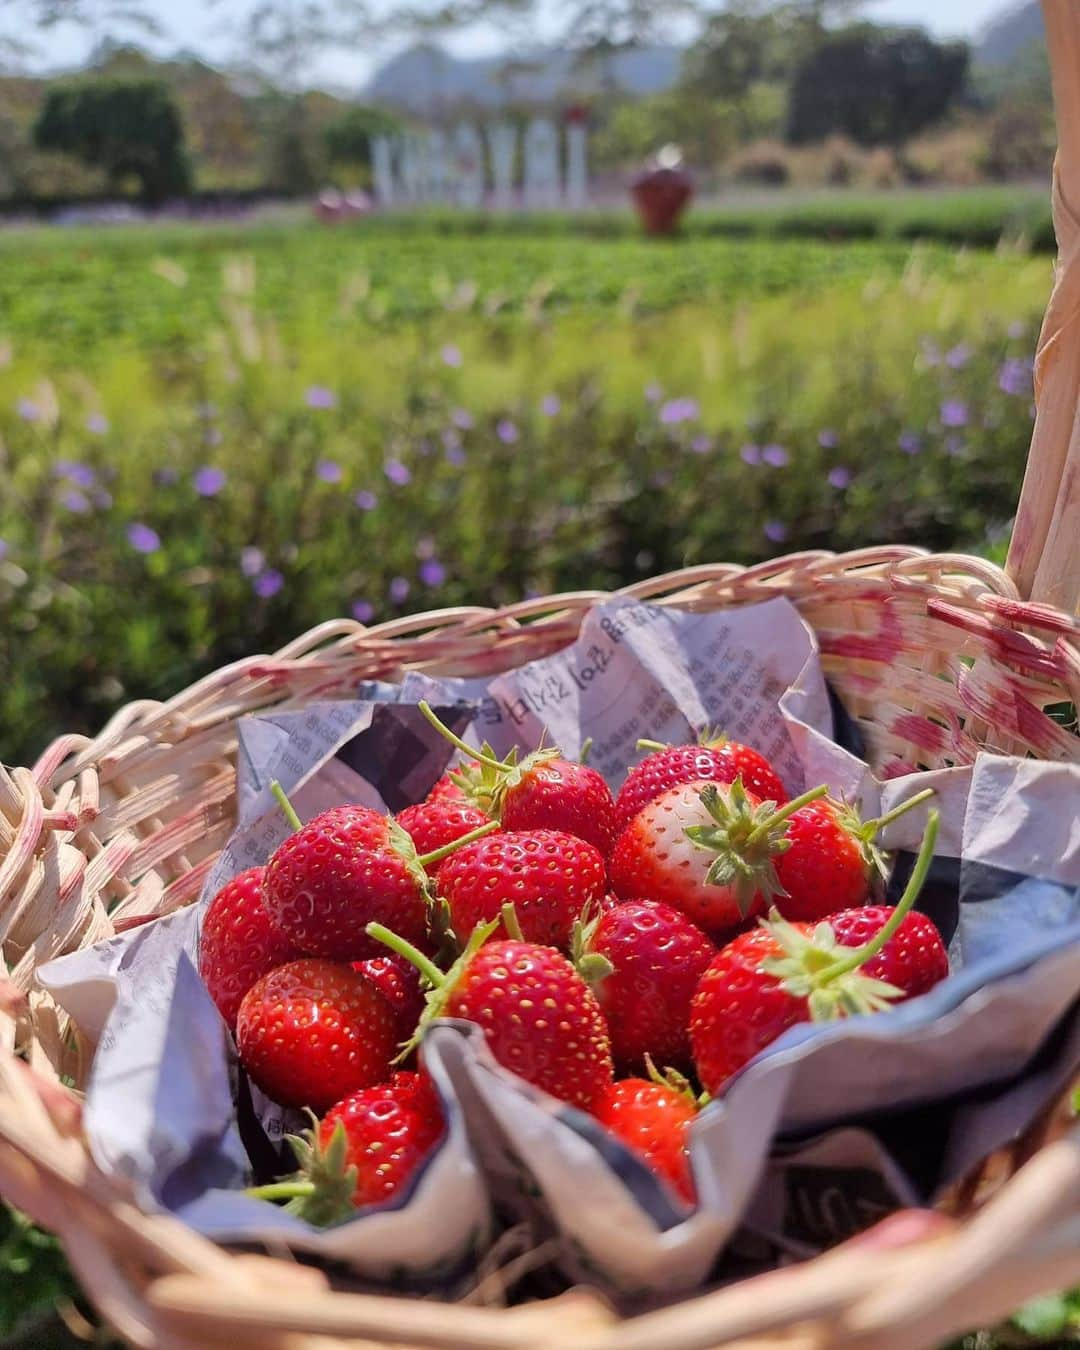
{"x":142,"y":538}
{"x":425,"y":547}
{"x":775,"y":531}
{"x":328,"y":471}
{"x":103,"y":499}
{"x":28,"y":410}
{"x":399,"y":590}
{"x":463,"y":419}
{"x":1017,"y":328}
{"x":909,"y":443}
{"x":268,"y":583}
{"x":397,"y":472}
{"x":455,"y":456}
{"x":677,"y":410}
{"x":82,"y":475}
{"x":74,"y":500}
{"x":955,"y":446}
{"x":1014,"y":378}
{"x":551,"y":405}
{"x":432,"y":572}
{"x":363,"y":611}
{"x":318,"y":396}
{"x":252,"y":561}
{"x":366,"y":501}
{"x":212,"y":436}
{"x":839,"y":477}
{"x":828,"y":439}
{"x":451,"y":438}
{"x":653,"y":392}
{"x":166,"y":477}
{"x":930,"y":353}
{"x":775,"y":455}
{"x":209,"y":480}
{"x":97,"y":424}
{"x":507,"y":431}
{"x":701,"y":445}
{"x":954,"y":413}
{"x":451,"y":356}
{"x":958,"y":357}
{"x":750,"y":453}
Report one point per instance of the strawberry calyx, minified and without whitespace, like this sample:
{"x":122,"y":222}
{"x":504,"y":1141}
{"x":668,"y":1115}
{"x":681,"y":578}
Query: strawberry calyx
{"x":440,"y":983}
{"x":487,"y":784}
{"x":828,"y":975}
{"x":745,"y":837}
{"x":865,"y":832}
{"x":593,"y":967}
{"x":710,"y":738}
{"x":321,"y":1191}
{"x":675,"y":1082}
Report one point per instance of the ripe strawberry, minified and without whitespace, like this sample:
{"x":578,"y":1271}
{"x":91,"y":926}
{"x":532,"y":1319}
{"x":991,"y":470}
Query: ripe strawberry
{"x":400,"y":984}
{"x":652,"y":1119}
{"x":719,"y":761}
{"x":539,"y":1016}
{"x":433,"y":824}
{"x":704,"y":849}
{"x":313,"y":1031}
{"x":914,"y":959}
{"x":547,"y":875}
{"x":831,"y":861}
{"x":238,"y":942}
{"x":449,"y":790}
{"x":782,"y":973}
{"x":544,"y":791}
{"x":651,"y":959}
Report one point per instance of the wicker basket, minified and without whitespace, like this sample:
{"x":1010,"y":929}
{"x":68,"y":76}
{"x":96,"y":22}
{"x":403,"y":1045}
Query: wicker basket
{"x":936,"y":656}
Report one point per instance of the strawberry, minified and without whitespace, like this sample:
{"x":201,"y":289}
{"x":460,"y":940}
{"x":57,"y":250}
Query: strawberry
{"x":400,"y":985}
{"x":705,"y":849}
{"x":238,"y":942}
{"x":652,"y":1119}
{"x":831,"y":861}
{"x":914,"y":959}
{"x":783,"y":973}
{"x":447,"y":789}
{"x":548,"y":876}
{"x":543,"y":791}
{"x":312,"y":1031}
{"x":539,"y":1016}
{"x":651,"y":959}
{"x":363,"y":1151}
{"x":715,"y":761}
{"x":347,"y":867}
{"x":433,"y":824}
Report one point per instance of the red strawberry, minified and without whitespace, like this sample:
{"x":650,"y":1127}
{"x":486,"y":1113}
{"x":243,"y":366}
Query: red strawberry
{"x":539,"y":1016}
{"x":447,"y":790}
{"x":310,"y":1032}
{"x":830,"y":861}
{"x":548,"y":876}
{"x":719,"y":761}
{"x":914,"y":959}
{"x":363,"y":1151}
{"x":400,"y":984}
{"x":652,"y":1120}
{"x":652,"y":958}
{"x":238,"y":942}
{"x":433,"y":824}
{"x":767,"y":980}
{"x":543,"y":791}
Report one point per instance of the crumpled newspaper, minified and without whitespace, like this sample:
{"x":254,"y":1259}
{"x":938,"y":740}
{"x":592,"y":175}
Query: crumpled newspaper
{"x":829,"y":1129}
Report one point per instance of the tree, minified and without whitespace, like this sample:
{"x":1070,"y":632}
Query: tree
{"x":348,"y":137}
{"x":127,"y":127}
{"x":878,"y":86}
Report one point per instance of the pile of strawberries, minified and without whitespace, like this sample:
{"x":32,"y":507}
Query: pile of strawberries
{"x":612,"y":949}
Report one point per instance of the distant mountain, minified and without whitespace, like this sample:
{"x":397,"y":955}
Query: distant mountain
{"x":1010,"y":35}
{"x":425,"y":78}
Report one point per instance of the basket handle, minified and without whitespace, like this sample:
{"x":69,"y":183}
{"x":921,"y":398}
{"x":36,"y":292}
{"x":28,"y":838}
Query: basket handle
{"x":1044,"y":555}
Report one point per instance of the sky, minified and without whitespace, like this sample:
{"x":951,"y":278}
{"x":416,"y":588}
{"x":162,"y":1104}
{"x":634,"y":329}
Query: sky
{"x":196,"y":25}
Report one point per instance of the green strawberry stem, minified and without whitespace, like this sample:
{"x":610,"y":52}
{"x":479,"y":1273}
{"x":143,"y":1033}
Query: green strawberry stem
{"x":287,"y":808}
{"x":282,"y":1190}
{"x":438,"y":854}
{"x":783,"y":812}
{"x":586,"y":750}
{"x":456,"y":740}
{"x":652,"y":745}
{"x":872,"y":827}
{"x":413,"y":955}
{"x":867,"y":952}
{"x":510,"y":922}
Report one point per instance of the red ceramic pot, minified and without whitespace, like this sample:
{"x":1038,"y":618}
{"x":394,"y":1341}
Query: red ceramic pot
{"x":660,"y":197}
